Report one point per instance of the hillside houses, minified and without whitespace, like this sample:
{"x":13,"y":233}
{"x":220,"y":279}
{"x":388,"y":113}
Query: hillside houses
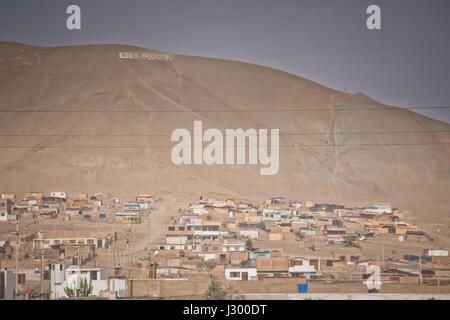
{"x":221,"y":232}
{"x":49,"y":238}
{"x":276,"y":241}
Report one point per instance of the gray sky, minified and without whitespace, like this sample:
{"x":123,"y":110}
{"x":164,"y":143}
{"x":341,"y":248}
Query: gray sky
{"x":406,"y":63}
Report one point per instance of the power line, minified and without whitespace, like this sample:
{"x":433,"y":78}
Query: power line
{"x":238,"y":135}
{"x":193,"y":135}
{"x":281,"y":109}
{"x":296,"y":145}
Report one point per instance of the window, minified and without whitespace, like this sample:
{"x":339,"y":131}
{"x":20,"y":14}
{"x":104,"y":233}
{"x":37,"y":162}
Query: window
{"x":21,"y":278}
{"x":181,"y":228}
{"x":2,"y":204}
{"x":171,"y":228}
{"x":93,"y":275}
{"x":235,"y":274}
{"x":90,"y":241}
{"x":2,"y":214}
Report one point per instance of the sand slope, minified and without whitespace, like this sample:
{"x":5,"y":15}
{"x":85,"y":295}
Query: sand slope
{"x":83,"y":151}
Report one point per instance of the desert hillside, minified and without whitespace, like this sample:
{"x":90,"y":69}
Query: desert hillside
{"x":80,"y":119}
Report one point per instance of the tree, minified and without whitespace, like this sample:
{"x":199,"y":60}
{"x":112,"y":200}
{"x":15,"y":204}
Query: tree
{"x":215,"y":291}
{"x":208,"y":265}
{"x":249,"y":243}
{"x":300,"y":235}
{"x":211,"y":264}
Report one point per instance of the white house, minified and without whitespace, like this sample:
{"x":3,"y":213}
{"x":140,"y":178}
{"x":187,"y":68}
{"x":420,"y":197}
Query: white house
{"x":61,"y":195}
{"x":5,"y":209}
{"x":191,"y":221}
{"x":379,"y":208}
{"x":208,"y":256}
{"x":228,"y":246}
{"x":241,"y":274}
{"x":3,"y":215}
{"x":118,"y":286}
{"x":437,"y":253}
{"x":181,"y":247}
{"x":62,"y":277}
{"x":252,"y":234}
{"x":300,"y":265}
{"x":209,"y":234}
{"x":176,"y":239}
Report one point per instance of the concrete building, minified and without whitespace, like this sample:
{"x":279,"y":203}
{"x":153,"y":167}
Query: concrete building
{"x":272,"y":267}
{"x":228,"y":246}
{"x":6,"y":285}
{"x":128,"y":217}
{"x":252,"y":234}
{"x":58,"y":194}
{"x":49,"y":238}
{"x":300,"y":265}
{"x":179,"y":234}
{"x":5,"y":209}
{"x":62,"y":277}
{"x":379,"y":208}
{"x":239,"y":274}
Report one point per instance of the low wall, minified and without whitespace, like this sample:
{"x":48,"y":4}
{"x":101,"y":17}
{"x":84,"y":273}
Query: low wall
{"x":188,"y":287}
{"x":348,"y":296}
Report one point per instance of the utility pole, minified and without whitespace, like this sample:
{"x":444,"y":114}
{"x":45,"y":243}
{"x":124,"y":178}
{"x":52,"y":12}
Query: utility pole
{"x":439,"y":281}
{"x":114,"y":232}
{"x":95,"y":255}
{"x":17,"y":255}
{"x":109,"y":258}
{"x":420,"y":268}
{"x":42,"y":271}
{"x":128,"y":257}
{"x":420,"y":261}
{"x":317,"y":253}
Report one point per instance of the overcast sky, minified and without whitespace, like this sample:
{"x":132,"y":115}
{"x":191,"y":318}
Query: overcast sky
{"x":406,"y":63}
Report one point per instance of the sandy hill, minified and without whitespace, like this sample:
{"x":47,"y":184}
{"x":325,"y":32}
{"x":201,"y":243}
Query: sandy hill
{"x":92,"y":130}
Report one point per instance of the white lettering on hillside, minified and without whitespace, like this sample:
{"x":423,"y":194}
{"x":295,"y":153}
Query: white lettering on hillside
{"x":145,"y":56}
